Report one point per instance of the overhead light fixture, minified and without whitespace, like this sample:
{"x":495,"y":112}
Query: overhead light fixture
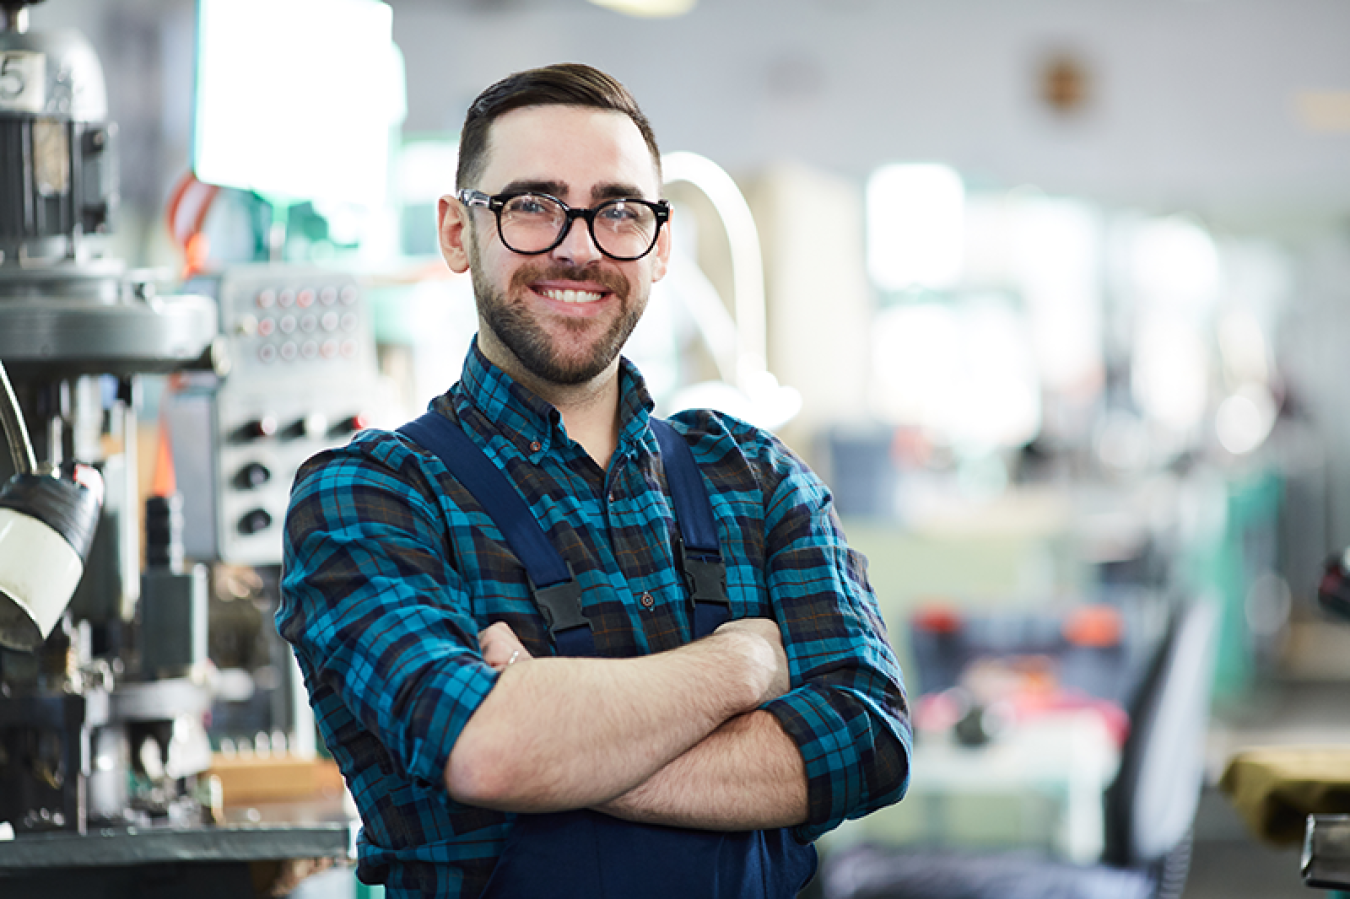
{"x":915,"y":226}
{"x":648,"y":9}
{"x":47,"y":523}
{"x":1326,"y":112}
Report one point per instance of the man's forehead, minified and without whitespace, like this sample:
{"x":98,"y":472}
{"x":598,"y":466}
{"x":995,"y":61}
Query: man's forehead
{"x":580,"y":149}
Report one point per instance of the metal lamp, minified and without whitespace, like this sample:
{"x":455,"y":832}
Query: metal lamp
{"x":47,"y":523}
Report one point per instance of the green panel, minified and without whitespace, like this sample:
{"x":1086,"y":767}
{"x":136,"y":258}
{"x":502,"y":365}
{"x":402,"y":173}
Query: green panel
{"x":1224,"y":565}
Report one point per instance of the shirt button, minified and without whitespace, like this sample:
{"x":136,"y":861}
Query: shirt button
{"x":648,"y":601}
{"x":535,"y":446}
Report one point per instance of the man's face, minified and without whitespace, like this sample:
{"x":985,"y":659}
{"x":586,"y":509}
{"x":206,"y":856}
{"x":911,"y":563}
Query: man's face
{"x":563,"y":315}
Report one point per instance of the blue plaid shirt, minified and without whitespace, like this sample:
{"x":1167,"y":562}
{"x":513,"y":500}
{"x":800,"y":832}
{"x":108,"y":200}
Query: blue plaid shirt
{"x":392,"y":568}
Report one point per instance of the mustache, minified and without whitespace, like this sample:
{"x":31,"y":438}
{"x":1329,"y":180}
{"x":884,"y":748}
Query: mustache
{"x":594,"y":274}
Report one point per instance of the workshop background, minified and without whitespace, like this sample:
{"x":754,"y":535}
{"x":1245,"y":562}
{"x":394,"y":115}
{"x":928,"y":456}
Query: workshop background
{"x":1054,"y":294}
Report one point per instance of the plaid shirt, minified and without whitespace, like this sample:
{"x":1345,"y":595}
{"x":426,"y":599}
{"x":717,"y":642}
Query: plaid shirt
{"x":392,"y":568}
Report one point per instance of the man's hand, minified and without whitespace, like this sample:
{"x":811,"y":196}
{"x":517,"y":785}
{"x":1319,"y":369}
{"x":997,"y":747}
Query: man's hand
{"x":770,"y":655}
{"x":746,"y":774}
{"x":501,"y":647}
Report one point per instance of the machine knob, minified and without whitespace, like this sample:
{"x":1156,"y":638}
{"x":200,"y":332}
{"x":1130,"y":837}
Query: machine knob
{"x":258,"y":428}
{"x":314,"y":426}
{"x":252,"y":476}
{"x":353,"y":423}
{"x":255,"y":521}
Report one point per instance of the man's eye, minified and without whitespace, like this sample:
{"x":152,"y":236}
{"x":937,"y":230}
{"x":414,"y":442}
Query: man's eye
{"x":530,"y":206}
{"x":622,"y":214}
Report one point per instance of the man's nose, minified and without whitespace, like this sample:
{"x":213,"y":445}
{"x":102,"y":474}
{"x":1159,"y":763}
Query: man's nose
{"x":577,"y":246}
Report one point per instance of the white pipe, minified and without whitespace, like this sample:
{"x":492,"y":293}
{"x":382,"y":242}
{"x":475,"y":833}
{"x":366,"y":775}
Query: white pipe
{"x":747,"y":263}
{"x":16,"y":435}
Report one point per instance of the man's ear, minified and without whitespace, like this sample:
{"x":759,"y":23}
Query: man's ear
{"x":661,"y":255}
{"x":452,"y":230}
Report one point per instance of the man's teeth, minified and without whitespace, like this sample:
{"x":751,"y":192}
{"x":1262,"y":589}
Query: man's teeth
{"x":572,"y":296}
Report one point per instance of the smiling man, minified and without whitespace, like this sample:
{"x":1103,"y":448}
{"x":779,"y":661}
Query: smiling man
{"x":713,"y":691}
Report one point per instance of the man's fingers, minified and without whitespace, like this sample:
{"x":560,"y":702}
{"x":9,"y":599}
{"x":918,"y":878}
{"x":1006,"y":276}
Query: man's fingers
{"x":767,"y":630}
{"x":500,"y":646}
{"x":496,"y":630}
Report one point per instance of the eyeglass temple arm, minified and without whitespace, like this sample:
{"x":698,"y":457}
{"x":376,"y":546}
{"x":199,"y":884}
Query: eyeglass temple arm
{"x":475,"y":198}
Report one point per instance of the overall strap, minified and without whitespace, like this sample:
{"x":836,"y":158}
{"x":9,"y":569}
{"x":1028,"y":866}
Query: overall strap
{"x":556,"y":591}
{"x":698,"y":551}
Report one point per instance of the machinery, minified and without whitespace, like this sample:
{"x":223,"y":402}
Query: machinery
{"x":301,"y":379}
{"x":78,"y":704}
{"x":104,"y":706}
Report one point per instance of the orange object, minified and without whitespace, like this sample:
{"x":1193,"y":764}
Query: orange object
{"x":253,"y":780}
{"x":185,"y":227}
{"x":938,"y":619}
{"x":165,"y":482}
{"x":1097,"y":626}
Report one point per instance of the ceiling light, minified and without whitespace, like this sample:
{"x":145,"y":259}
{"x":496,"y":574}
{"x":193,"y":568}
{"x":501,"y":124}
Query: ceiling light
{"x":1323,"y":111}
{"x":648,"y":9}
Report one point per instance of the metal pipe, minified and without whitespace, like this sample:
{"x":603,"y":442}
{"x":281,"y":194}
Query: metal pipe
{"x":16,"y":435}
{"x":747,"y":262}
{"x":14,"y":19}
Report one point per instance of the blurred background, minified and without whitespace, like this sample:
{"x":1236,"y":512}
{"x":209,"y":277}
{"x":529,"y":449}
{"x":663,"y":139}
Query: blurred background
{"x":1053,"y":294}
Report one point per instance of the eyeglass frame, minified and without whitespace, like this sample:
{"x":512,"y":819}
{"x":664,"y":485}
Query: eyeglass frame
{"x":476,"y":199}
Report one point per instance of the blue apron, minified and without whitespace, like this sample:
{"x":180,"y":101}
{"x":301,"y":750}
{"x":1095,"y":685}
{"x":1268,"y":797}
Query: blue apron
{"x":588,"y":854}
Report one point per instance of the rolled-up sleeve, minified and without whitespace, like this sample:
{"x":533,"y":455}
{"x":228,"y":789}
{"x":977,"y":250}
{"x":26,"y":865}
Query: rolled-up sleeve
{"x":379,"y":619}
{"x":847,"y":712}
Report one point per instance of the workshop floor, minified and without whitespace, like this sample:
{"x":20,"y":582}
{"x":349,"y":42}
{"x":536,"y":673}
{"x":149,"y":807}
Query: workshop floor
{"x":1228,"y":862}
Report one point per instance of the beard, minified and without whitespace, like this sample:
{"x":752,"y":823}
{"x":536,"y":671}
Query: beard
{"x":541,"y":353}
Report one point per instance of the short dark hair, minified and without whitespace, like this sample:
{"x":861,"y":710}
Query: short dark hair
{"x":564,"y":84}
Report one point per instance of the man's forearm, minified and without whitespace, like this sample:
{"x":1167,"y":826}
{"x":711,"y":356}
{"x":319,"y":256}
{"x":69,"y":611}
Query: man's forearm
{"x":746,"y":775}
{"x":560,"y":733}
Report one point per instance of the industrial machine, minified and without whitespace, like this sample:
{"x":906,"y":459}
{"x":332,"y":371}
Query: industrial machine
{"x":104,"y":702}
{"x":301,"y":379}
{"x":76,"y":331}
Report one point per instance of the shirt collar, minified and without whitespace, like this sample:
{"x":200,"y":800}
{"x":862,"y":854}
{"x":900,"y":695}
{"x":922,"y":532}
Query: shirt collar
{"x":635,"y":406}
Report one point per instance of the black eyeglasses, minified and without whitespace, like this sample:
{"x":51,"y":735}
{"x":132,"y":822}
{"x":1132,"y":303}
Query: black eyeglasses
{"x":534,"y":223}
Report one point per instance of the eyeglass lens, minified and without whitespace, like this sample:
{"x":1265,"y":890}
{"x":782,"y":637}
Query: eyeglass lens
{"x":531,"y":224}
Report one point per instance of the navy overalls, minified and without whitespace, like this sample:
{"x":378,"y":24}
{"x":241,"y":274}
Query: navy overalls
{"x":589,"y":854}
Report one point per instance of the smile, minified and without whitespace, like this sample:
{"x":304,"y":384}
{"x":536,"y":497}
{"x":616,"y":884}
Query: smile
{"x":572,"y":296}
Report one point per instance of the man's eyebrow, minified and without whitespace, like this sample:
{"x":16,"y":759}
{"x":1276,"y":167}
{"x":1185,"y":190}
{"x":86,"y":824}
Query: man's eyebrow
{"x":553,"y":188}
{"x":599,"y":193}
{"x":616,"y":192}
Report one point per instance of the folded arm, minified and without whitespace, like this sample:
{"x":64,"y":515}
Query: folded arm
{"x":561,"y":733}
{"x":746,"y":775}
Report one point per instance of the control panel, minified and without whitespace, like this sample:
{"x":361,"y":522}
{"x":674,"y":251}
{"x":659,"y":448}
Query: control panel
{"x":302,"y":378}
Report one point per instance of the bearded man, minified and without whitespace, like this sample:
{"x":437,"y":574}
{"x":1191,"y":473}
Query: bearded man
{"x":627,"y":744}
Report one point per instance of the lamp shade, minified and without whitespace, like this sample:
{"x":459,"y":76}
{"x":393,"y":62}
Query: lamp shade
{"x":47,"y":525}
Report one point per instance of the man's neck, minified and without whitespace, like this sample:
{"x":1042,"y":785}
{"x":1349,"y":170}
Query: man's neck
{"x":592,"y":417}
{"x":590,"y":410}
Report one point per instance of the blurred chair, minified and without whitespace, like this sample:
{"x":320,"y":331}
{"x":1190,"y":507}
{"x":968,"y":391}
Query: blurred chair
{"x":1149,"y":807}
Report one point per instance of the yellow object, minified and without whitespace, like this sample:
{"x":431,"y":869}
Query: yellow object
{"x":254,"y":780}
{"x":1276,"y":788}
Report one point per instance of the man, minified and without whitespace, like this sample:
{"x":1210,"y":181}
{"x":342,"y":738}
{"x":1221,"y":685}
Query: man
{"x":469,"y":741}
